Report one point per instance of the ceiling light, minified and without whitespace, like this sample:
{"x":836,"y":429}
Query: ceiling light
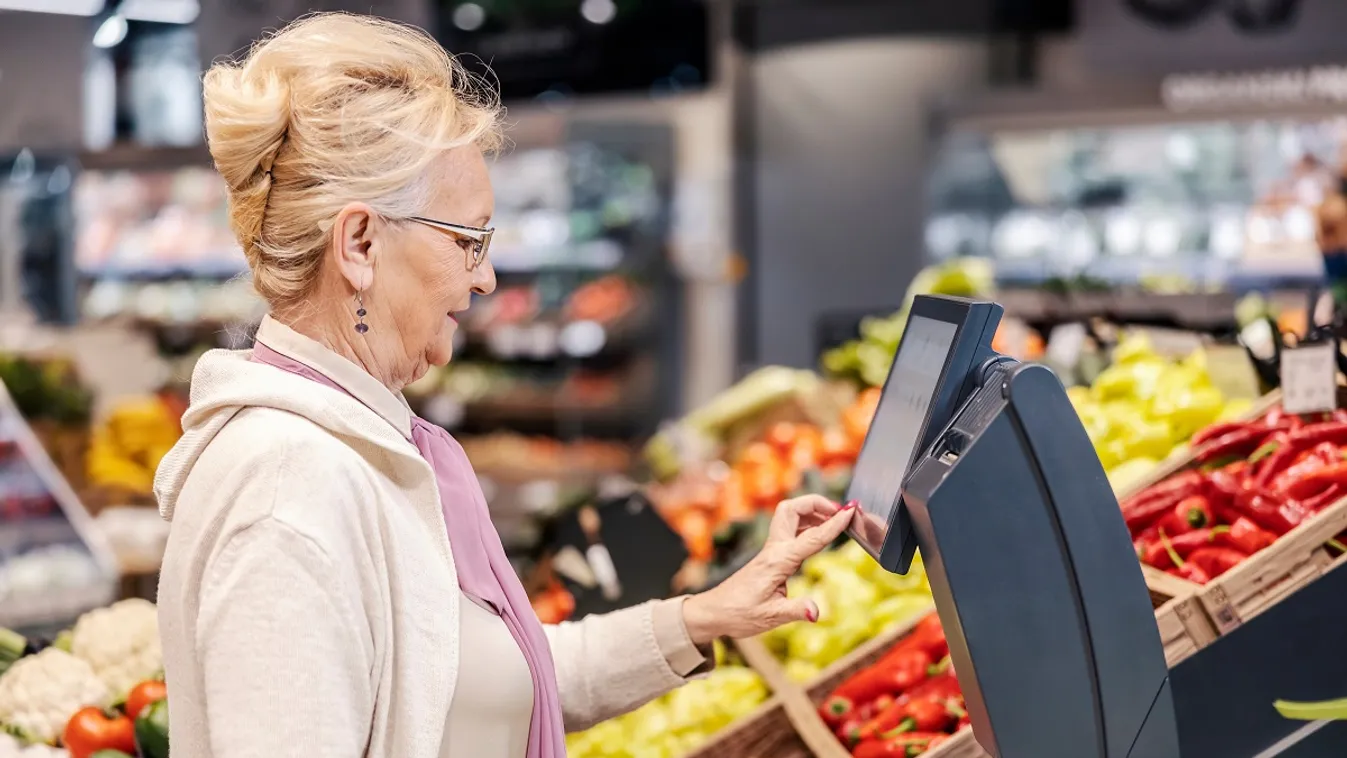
{"x":469,"y":17}
{"x":598,"y":11}
{"x":111,"y":32}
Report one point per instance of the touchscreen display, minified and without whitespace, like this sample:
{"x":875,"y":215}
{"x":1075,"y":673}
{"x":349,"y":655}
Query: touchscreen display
{"x":896,"y":430}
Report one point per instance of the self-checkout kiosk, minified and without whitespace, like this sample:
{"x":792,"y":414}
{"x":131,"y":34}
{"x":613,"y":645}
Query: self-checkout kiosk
{"x":982,"y":463}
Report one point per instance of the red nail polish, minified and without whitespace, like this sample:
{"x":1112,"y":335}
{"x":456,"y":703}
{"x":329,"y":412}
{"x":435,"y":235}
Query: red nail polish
{"x":851,"y":504}
{"x":811,"y":613}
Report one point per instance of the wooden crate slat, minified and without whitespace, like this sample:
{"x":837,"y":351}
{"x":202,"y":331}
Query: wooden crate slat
{"x":962,"y":745}
{"x":799,"y":710}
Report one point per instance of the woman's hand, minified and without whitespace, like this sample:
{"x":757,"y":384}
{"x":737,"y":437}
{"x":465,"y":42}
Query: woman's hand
{"x":753,"y":600}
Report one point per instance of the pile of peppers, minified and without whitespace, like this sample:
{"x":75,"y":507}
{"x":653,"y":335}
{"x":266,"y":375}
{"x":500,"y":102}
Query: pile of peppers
{"x":906,"y":704}
{"x":1254,"y":481}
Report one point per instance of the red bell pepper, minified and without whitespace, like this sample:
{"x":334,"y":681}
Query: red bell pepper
{"x":1140,"y":514}
{"x":1247,"y":536}
{"x":1215,"y":561}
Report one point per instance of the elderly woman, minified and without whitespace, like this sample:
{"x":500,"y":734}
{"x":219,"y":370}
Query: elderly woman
{"x":333,"y":585}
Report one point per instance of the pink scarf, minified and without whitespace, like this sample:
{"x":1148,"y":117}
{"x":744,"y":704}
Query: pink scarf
{"x":484,"y":572}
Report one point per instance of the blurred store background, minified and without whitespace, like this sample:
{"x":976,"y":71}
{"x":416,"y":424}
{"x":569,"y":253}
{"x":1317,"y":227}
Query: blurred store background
{"x":712,"y":219}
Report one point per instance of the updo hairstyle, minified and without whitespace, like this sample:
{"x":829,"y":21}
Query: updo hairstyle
{"x":333,"y":109}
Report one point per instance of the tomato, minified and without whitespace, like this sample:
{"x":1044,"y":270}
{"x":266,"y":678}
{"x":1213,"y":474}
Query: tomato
{"x":91,"y":730}
{"x":144,"y":694}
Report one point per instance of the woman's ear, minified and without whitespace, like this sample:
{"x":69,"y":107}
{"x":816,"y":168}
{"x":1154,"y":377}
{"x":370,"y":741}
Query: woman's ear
{"x":355,"y":244}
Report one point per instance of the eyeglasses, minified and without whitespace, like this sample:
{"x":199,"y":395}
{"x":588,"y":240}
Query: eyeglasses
{"x":479,"y":236}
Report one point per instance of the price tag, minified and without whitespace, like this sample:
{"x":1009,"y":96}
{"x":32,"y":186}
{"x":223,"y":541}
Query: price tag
{"x":1232,"y":372}
{"x":1310,"y":379}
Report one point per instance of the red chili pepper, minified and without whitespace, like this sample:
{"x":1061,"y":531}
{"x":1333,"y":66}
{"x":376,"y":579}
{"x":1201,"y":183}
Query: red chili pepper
{"x":1269,"y":511}
{"x":897,"y":746}
{"x":892,"y":675}
{"x":837,"y":709}
{"x":1185,"y":483}
{"x":939,"y":687}
{"x":1283,"y":454}
{"x":926,"y":715}
{"x":1148,"y":537}
{"x":1142,"y":514}
{"x":1193,"y":573}
{"x":1324,"y":499}
{"x":1215,"y":561}
{"x":849,"y":731}
{"x":1248,"y":537}
{"x":1315,"y":481}
{"x":1193,"y":513}
{"x":1238,"y":443}
{"x":1220,"y":430}
{"x":1313,"y":434}
{"x":1159,"y":555}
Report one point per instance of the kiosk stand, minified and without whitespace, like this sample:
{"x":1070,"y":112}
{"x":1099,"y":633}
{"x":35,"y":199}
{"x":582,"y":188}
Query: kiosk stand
{"x":984,"y":464}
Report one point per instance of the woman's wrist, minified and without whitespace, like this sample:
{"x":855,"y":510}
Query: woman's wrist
{"x":699,"y":620}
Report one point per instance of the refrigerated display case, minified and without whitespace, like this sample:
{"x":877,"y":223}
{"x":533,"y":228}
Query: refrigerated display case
{"x":1132,"y":194}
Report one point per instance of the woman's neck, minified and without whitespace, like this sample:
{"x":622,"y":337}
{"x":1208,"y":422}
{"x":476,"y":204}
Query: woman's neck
{"x":364,"y":350}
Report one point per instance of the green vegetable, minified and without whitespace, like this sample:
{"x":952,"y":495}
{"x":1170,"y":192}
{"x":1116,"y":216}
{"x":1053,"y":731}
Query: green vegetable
{"x":1332,"y":710}
{"x":12,"y":645}
{"x":152,"y":731}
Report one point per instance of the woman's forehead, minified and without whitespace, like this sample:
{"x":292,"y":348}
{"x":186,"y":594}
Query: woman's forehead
{"x":461,"y":187}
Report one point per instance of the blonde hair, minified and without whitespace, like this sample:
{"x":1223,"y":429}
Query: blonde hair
{"x":332,"y":109}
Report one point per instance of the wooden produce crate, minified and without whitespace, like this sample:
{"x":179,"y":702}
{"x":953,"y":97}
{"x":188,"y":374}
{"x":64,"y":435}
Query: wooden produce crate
{"x":1293,"y":561}
{"x":1180,"y":616}
{"x":765,"y":733}
{"x":801,"y":702}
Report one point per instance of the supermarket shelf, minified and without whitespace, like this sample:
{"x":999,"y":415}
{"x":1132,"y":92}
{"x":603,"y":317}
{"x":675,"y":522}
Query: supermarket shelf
{"x":225,"y":268}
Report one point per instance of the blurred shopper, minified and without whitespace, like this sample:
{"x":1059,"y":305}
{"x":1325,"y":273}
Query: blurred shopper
{"x":333,"y":585}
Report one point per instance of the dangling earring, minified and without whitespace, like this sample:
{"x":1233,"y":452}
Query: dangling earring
{"x":360,"y":326}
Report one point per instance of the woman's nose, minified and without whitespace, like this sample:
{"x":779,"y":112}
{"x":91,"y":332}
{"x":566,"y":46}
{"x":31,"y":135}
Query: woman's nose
{"x":484,"y":278}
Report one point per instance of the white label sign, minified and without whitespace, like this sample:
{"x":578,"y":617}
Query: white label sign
{"x":1310,"y":379}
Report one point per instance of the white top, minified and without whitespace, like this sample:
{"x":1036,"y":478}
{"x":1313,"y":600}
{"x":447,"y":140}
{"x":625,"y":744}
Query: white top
{"x":494,"y":720}
{"x":308,"y":601}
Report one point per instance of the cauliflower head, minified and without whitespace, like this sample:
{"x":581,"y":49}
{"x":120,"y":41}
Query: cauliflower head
{"x":121,"y":643}
{"x":40,"y":693}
